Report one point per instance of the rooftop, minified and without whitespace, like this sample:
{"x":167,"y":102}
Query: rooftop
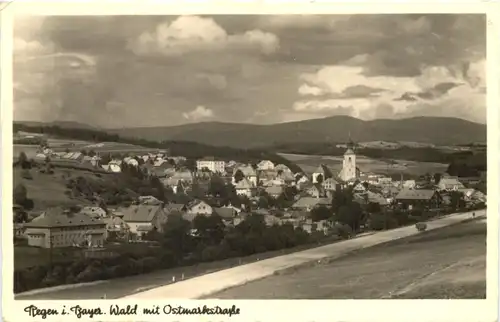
{"x":422,"y":194}
{"x":140,"y":213}
{"x":56,"y":217}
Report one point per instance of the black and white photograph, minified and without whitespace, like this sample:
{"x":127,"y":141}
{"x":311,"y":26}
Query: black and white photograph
{"x":249,"y":156}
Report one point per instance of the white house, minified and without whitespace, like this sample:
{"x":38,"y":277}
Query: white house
{"x":330,"y":184}
{"x":321,"y":173}
{"x":245,"y":188}
{"x":409,"y":184}
{"x":450,"y":184}
{"x":282,"y":167}
{"x":199,"y":207}
{"x":114,"y":167}
{"x":265,"y":165}
{"x":359,"y":188}
{"x":248,"y":172}
{"x":302,"y":179}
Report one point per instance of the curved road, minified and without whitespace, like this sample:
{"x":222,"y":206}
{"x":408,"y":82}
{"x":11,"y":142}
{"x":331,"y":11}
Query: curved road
{"x":202,"y":286}
{"x":442,"y":264}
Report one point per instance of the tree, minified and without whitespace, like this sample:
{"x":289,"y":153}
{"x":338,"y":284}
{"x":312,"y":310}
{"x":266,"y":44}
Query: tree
{"x":320,"y":213}
{"x":196,"y":191}
{"x":437,"y":178}
{"x":190,"y":164}
{"x":254,"y":223}
{"x":20,"y":194}
{"x":238,"y":176}
{"x":350,"y":215}
{"x":341,"y":197}
{"x":23,"y":161}
{"x":20,"y":216}
{"x":217,"y":187}
{"x":263,"y":202}
{"x":177,"y":236}
{"x":159,"y":189}
{"x":26,"y":174}
{"x":210,"y":229}
{"x":457,"y":200}
{"x":373,"y":208}
{"x":320,"y":178}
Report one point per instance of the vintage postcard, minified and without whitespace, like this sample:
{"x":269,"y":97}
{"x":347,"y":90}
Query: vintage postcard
{"x":174,"y":162}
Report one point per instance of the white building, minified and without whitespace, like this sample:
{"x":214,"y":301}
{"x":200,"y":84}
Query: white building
{"x":349,"y":170}
{"x":245,"y":188}
{"x":216,"y":166}
{"x":265,"y":165}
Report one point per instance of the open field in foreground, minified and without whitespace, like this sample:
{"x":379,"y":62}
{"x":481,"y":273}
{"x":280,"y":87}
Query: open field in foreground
{"x":440,"y":264}
{"x":309,"y":163}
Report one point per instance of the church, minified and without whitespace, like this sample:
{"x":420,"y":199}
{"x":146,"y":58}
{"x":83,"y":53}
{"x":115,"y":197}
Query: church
{"x":350,"y":172}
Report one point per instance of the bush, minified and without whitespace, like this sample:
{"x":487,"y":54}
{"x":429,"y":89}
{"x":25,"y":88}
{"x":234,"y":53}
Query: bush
{"x":342,"y":230}
{"x":26,"y":174}
{"x":421,"y":226}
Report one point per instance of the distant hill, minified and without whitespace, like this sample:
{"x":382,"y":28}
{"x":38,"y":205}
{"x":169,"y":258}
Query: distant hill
{"x":189,"y":149}
{"x":61,"y":124}
{"x":431,"y":130}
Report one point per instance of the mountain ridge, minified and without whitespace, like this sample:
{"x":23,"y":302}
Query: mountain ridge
{"x":330,"y":129}
{"x":434,"y":130}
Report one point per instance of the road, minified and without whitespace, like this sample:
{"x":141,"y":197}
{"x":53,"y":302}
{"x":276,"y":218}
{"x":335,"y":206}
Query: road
{"x":449,"y":263}
{"x":205,"y":285}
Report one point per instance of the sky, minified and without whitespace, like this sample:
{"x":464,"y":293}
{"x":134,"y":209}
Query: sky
{"x":141,"y":71}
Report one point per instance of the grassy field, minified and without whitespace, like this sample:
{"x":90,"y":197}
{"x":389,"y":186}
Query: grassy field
{"x":446,"y":263}
{"x":309,"y":163}
{"x":48,"y":190}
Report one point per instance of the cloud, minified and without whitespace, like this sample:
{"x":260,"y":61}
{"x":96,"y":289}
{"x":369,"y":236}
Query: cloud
{"x":433,"y":92}
{"x":286,"y":67}
{"x":191,"y":34}
{"x":198,"y":114}
{"x":216,"y":80}
{"x":286,"y":22}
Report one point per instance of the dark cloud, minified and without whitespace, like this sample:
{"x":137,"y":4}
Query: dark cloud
{"x":360,"y":91}
{"x":84,"y":68}
{"x":408,"y":97}
{"x":429,"y":94}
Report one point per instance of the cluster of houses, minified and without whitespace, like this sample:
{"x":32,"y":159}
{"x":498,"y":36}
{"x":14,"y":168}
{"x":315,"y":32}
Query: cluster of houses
{"x":94,"y":225}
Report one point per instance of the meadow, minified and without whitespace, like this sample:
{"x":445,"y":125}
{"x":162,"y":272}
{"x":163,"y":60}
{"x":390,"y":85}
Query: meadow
{"x":309,"y":163}
{"x":448,"y":263}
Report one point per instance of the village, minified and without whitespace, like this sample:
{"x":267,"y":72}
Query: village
{"x":272,"y":190}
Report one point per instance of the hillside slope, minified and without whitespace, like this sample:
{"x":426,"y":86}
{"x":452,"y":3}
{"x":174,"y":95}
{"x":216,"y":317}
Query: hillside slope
{"x":435,"y":130}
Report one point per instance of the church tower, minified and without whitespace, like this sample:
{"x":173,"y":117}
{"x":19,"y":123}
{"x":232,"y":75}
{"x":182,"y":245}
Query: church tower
{"x":349,"y":168}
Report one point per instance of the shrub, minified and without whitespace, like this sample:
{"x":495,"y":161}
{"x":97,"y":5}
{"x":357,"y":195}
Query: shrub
{"x":421,"y":226}
{"x":26,"y":174}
